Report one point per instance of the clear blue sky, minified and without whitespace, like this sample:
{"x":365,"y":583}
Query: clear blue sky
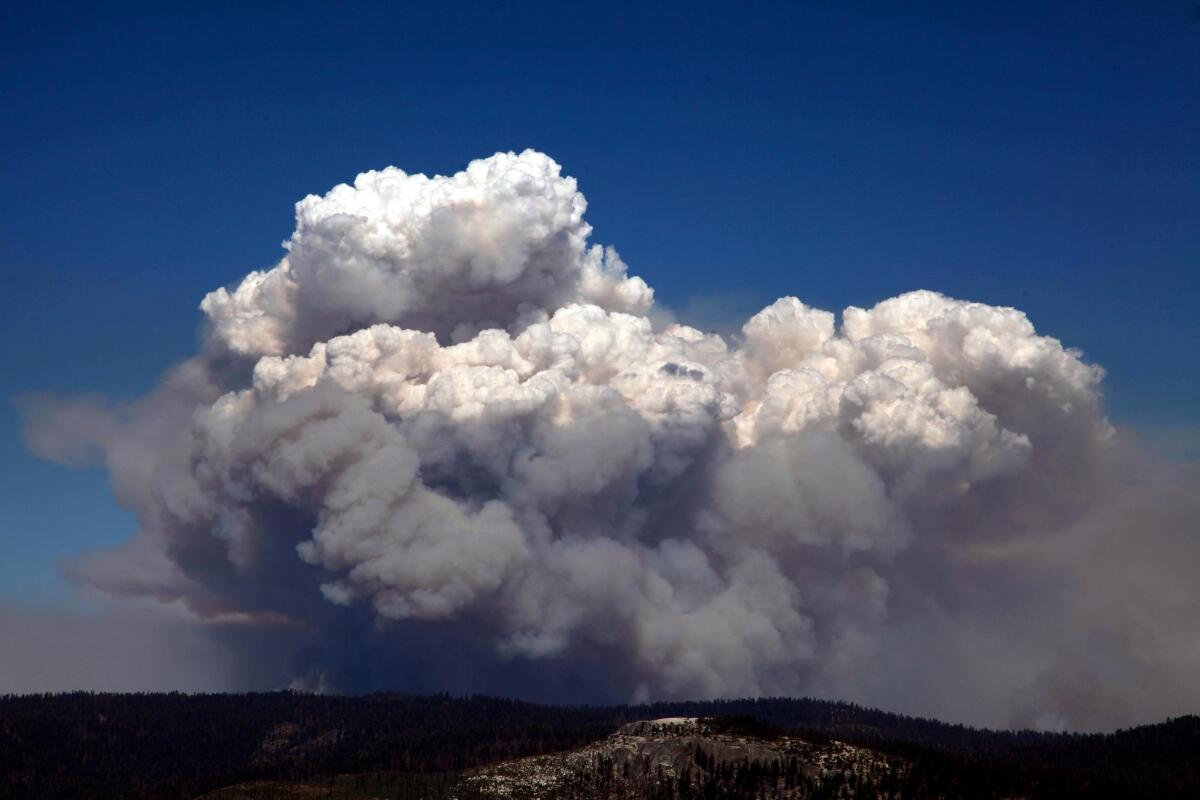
{"x":1042,"y":155}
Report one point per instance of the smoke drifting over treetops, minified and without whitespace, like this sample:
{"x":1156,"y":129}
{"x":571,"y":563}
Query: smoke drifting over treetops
{"x":448,"y":441}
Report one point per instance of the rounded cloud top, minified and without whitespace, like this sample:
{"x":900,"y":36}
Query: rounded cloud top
{"x":488,"y":247}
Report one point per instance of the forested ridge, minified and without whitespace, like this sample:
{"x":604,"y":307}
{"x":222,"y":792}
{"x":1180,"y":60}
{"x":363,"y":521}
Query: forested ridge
{"x":89,"y":745}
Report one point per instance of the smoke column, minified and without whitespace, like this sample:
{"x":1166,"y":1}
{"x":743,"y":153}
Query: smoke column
{"x":448,"y":442}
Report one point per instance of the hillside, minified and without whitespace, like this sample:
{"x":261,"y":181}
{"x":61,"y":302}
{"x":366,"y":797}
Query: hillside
{"x":689,"y":757}
{"x":182,"y":746}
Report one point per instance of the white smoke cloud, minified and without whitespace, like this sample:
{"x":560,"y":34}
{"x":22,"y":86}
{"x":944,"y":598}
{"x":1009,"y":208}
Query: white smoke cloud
{"x":485,"y":248}
{"x":446,"y":407}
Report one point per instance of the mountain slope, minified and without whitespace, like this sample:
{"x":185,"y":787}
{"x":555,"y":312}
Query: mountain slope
{"x":150,"y":746}
{"x":682,"y":757}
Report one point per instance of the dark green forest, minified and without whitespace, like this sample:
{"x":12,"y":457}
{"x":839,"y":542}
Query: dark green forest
{"x":176,"y":746}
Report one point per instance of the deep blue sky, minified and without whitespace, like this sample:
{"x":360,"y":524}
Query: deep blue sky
{"x":1042,"y":155}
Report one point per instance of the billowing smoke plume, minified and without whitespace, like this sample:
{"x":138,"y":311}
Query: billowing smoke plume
{"x":446,"y":428}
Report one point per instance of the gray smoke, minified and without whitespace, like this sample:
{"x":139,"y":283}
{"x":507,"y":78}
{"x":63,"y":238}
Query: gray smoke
{"x":446,"y":442}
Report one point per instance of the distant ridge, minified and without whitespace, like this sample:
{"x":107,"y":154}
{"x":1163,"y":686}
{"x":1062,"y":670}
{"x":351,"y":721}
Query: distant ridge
{"x":180,"y":746}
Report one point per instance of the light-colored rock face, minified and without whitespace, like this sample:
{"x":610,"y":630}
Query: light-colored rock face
{"x":643,"y":754}
{"x":664,"y":725}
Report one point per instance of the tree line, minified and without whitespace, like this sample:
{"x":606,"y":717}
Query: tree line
{"x":178,"y":746}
